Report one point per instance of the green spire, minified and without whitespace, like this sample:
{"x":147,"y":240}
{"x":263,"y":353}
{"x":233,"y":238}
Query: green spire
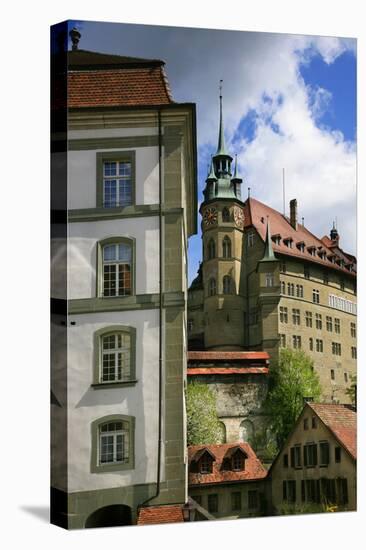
{"x":221,"y":149}
{"x":211,"y":175}
{"x":235,"y":177}
{"x":268,"y":252}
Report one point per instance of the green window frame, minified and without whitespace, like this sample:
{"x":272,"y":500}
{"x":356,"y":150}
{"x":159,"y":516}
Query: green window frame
{"x":114,"y":156}
{"x":99,"y":440}
{"x":99,"y":336}
{"x":129,"y":241}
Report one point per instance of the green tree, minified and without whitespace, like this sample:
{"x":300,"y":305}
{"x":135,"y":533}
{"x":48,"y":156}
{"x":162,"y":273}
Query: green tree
{"x":291,"y":379}
{"x":351,"y":391}
{"x":203,"y":426}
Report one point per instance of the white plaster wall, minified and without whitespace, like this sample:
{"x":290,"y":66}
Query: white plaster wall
{"x":82,"y":173}
{"x":82,"y":253}
{"x":86,"y":404}
{"x":113,"y":132}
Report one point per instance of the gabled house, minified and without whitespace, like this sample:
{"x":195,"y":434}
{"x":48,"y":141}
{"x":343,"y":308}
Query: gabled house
{"x":226,"y":480}
{"x":316,"y":468}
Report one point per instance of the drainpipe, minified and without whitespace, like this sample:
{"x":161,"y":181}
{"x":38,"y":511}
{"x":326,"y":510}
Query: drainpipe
{"x":161,"y":265}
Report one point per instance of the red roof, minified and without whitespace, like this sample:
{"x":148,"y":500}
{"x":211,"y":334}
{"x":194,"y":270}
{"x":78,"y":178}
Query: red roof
{"x":118,"y":87}
{"x":341,"y":421}
{"x":227,"y":355}
{"x":227,"y":370}
{"x":256,"y":214}
{"x":253,"y":470}
{"x":154,"y":515}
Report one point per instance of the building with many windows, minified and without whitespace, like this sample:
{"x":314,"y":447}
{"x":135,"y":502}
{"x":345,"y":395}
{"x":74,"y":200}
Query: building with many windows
{"x":267,"y":282}
{"x":124,"y":204}
{"x":317,"y":464}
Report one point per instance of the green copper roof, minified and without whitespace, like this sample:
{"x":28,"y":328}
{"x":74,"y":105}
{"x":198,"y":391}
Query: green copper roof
{"x":212,"y":175}
{"x":221,"y":149}
{"x":236,"y":177}
{"x":268,"y":252}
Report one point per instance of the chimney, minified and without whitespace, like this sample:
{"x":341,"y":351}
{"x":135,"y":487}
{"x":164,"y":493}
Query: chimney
{"x":293,"y":213}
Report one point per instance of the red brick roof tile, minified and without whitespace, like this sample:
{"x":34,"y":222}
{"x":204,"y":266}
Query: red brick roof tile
{"x":254,"y":470}
{"x":341,"y":421}
{"x":226,"y":370}
{"x":256,"y":214}
{"x":154,"y":515}
{"x":227,"y":356}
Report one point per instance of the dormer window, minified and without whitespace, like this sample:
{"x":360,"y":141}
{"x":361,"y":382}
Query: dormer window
{"x":237,"y":462}
{"x":202,"y":462}
{"x":276,"y":238}
{"x":301,"y":246}
{"x":322,"y":254}
{"x":235,"y":459}
{"x":312,"y":250}
{"x":288,"y":242}
{"x":206,"y":464}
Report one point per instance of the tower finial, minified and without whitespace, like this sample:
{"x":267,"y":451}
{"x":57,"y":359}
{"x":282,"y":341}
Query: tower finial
{"x":75,"y":37}
{"x":221,"y":143}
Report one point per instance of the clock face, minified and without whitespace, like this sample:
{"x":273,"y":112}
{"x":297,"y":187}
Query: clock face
{"x":210,"y":217}
{"x":239,"y":217}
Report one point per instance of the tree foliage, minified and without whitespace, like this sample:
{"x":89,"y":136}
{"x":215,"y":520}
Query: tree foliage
{"x":291,"y":380}
{"x":203,"y":426}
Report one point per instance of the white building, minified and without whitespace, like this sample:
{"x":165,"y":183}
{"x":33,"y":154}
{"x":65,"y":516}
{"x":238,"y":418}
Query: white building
{"x":124,"y":205}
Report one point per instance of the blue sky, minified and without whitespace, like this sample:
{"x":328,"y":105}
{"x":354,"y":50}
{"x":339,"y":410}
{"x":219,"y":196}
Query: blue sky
{"x":289,"y":102}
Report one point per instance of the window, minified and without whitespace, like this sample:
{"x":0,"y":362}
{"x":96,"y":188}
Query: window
{"x":336,"y":348}
{"x":329,"y":323}
{"x":337,"y":454}
{"x":310,"y":455}
{"x":316,"y":298}
{"x":319,"y":345}
{"x":289,"y":491}
{"x":227,"y":284}
{"x":296,"y":342}
{"x":253,"y":500}
{"x":283,"y":314}
{"x":354,"y":352}
{"x":291,"y":289}
{"x":296,"y":456}
{"x":324,"y":453}
{"x":235,"y":502}
{"x":226,"y":215}
{"x":318,"y":321}
{"x":282,"y":265}
{"x":314,"y":423}
{"x":250,"y":239}
{"x":226,"y":247}
{"x":115,"y":179}
{"x":296,"y":316}
{"x":113,"y":443}
{"x":306,"y":272}
{"x":345,"y":377}
{"x":269,"y":279}
{"x":114,"y":353}
{"x":283,"y":287}
{"x":308,"y":319}
{"x":116,"y":276}
{"x":285,"y":460}
{"x":299,"y":291}
{"x":237,"y":463}
{"x":353,"y":330}
{"x":337,"y":326}
{"x":282,"y":340}
{"x":311,"y":344}
{"x":206,"y":464}
{"x":342,"y":490}
{"x":306,"y":423}
{"x":211,"y":249}
{"x":328,"y":489}
{"x":212,"y":287}
{"x":312,"y":490}
{"x":213,"y":503}
{"x":332,"y":374}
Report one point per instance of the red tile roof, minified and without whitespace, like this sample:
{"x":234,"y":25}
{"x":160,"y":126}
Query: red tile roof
{"x":118,"y":87}
{"x":226,"y":370}
{"x":341,"y":421}
{"x":256,"y":214}
{"x":254,"y":470}
{"x":154,"y":515}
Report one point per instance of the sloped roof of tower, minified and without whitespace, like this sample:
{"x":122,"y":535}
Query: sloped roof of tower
{"x":97,"y":79}
{"x":256,"y":214}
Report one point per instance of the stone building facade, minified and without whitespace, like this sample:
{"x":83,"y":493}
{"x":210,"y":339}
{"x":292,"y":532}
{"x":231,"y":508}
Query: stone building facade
{"x":124,"y":204}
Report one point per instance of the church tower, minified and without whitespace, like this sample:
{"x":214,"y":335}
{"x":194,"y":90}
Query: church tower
{"x":222,"y":239}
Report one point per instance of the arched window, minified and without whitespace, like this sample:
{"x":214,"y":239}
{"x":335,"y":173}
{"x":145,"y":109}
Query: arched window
{"x":226,"y":215}
{"x":212,"y":287}
{"x":116,"y":267}
{"x":246,"y":431}
{"x":113,"y":443}
{"x":226,"y":247}
{"x":211,"y":249}
{"x":221,"y":433}
{"x":114,"y":350}
{"x":227,"y":284}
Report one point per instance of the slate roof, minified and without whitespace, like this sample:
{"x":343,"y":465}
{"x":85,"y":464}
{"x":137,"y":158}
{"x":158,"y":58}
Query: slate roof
{"x":101,"y":80}
{"x":341,"y":421}
{"x":154,"y":515}
{"x":256,"y":214}
{"x":254,"y":470}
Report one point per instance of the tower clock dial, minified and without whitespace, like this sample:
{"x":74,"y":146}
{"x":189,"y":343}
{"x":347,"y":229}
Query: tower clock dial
{"x":210,"y":217}
{"x":239,"y":217}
